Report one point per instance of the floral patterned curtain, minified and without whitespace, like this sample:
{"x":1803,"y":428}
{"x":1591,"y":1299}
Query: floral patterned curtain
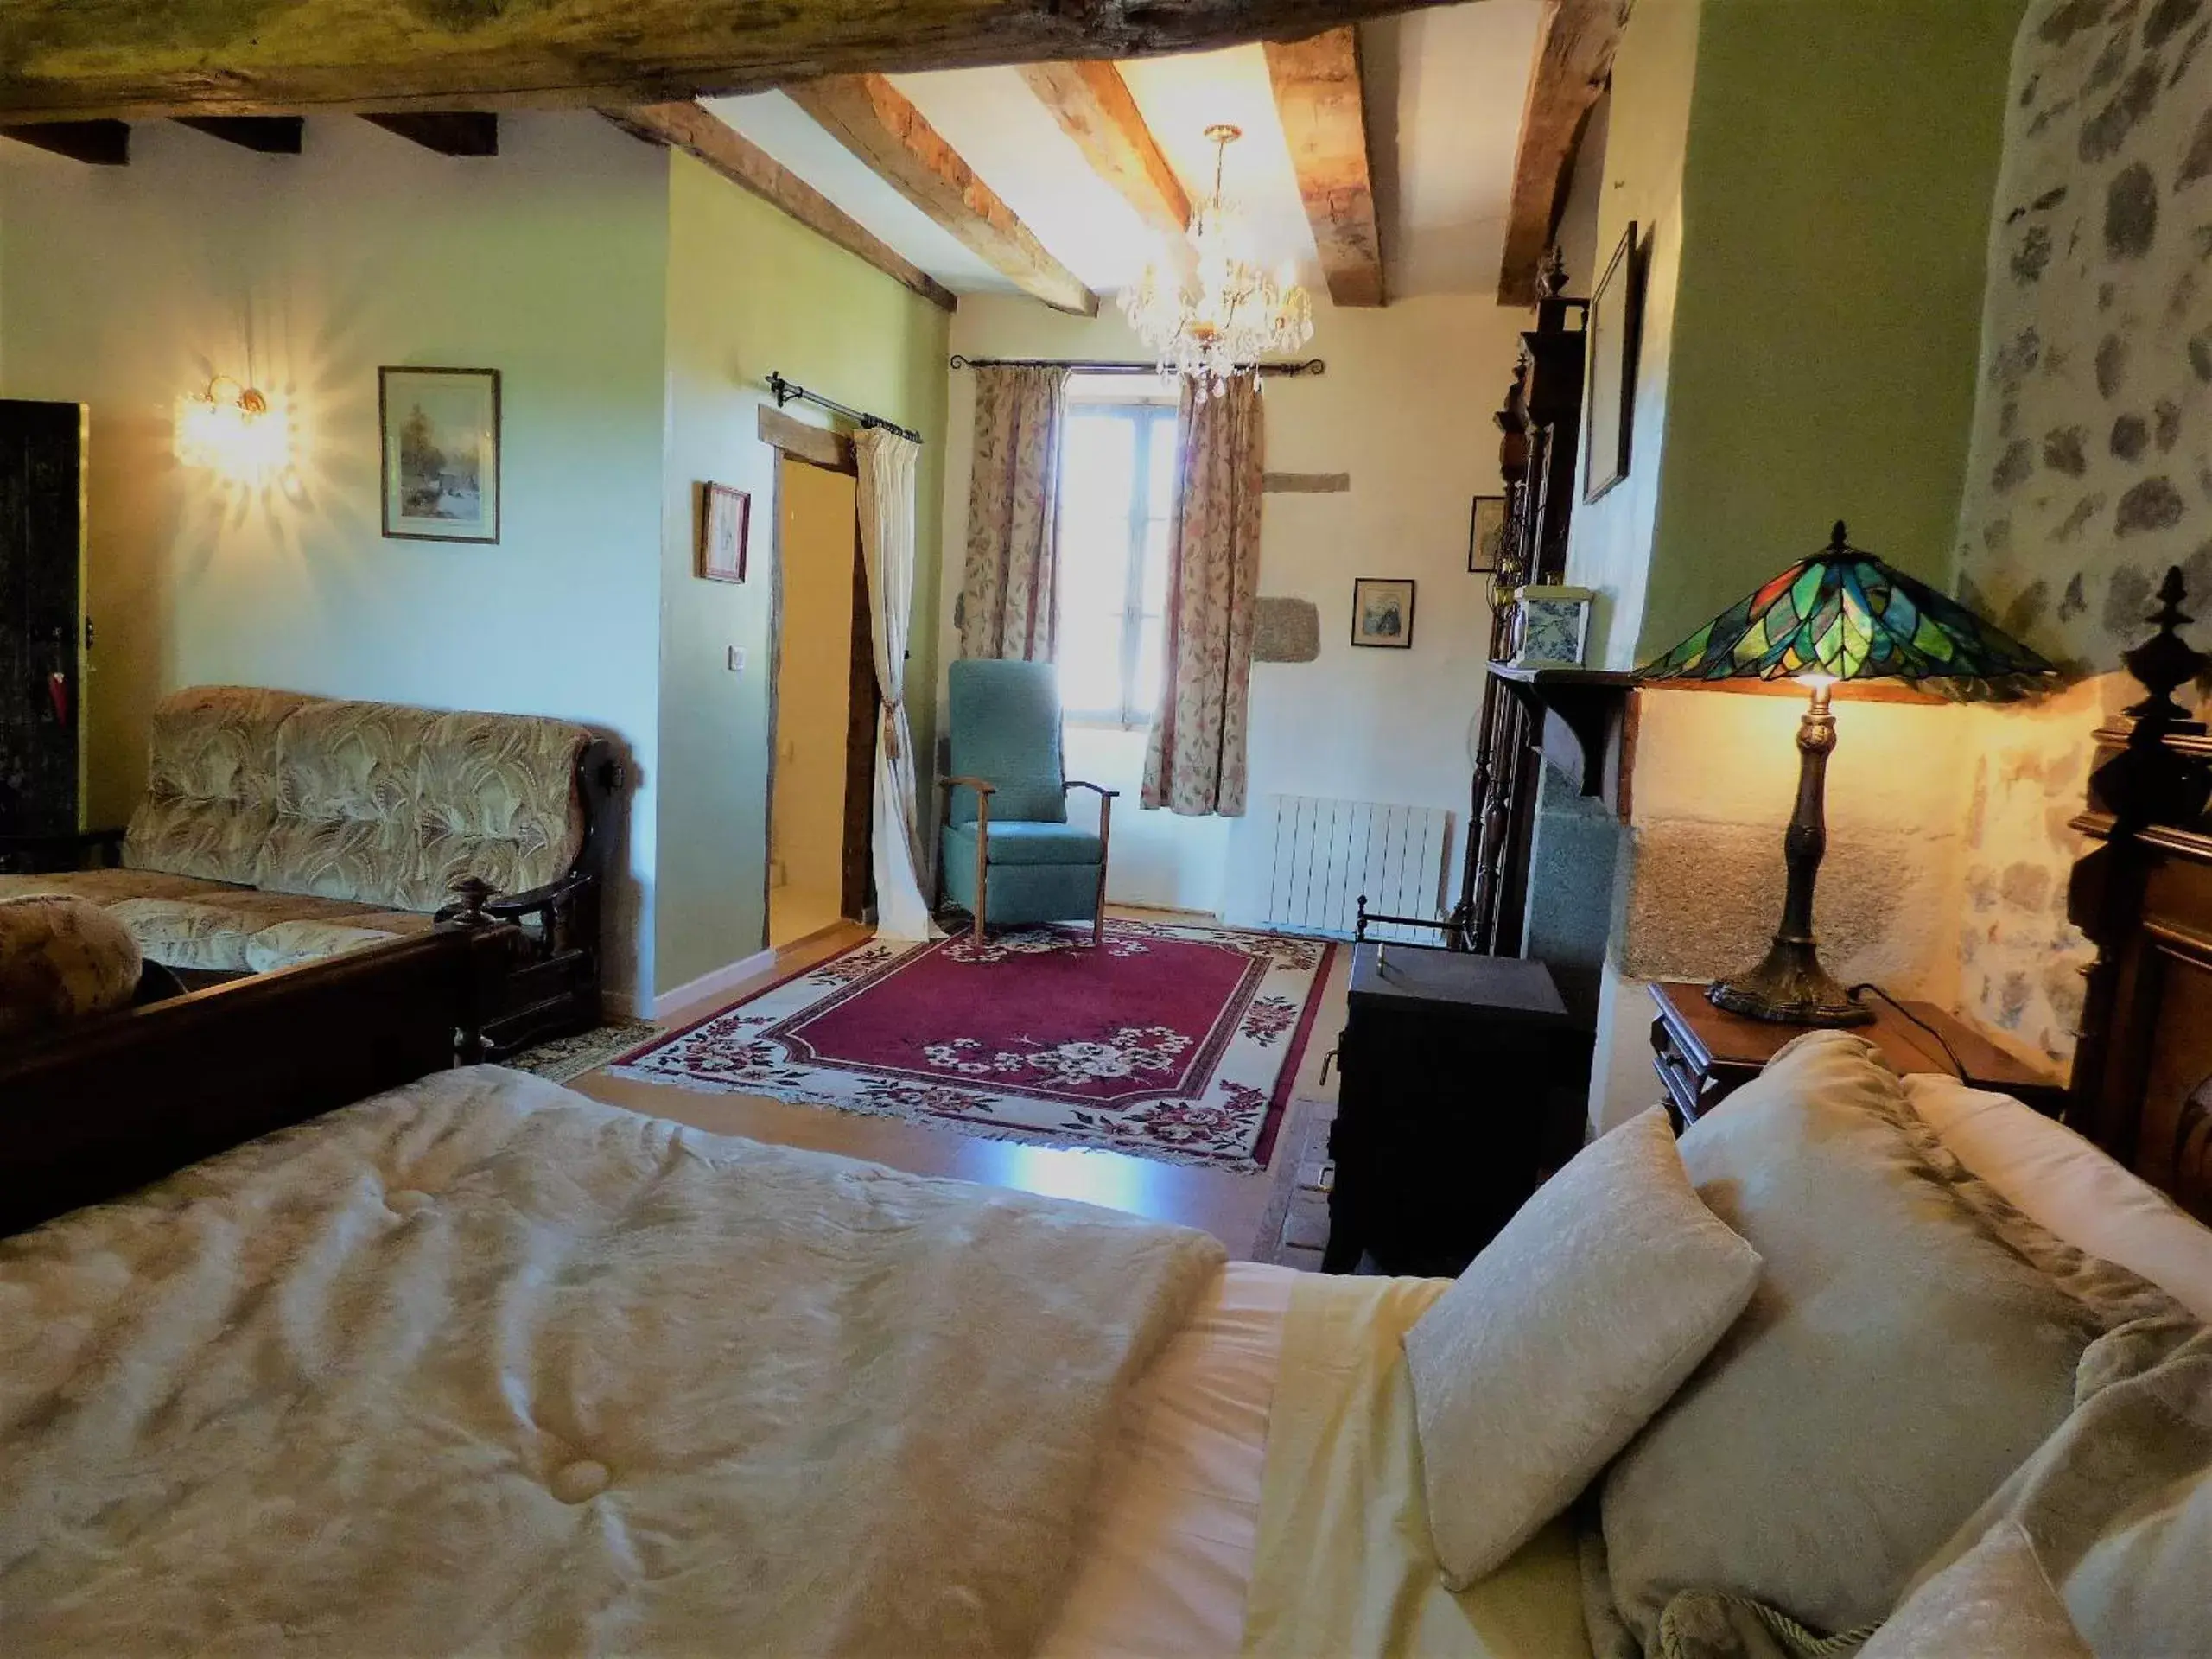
{"x":1009,"y":591}
{"x":1194,"y":761}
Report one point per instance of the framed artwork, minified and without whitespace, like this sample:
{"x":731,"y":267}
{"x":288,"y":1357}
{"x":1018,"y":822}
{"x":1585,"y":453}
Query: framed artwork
{"x":1608,"y":416}
{"x":441,"y":454}
{"x":1486,"y":535}
{"x":1551,"y":627}
{"x":1382,"y":612}
{"x":725,"y":526}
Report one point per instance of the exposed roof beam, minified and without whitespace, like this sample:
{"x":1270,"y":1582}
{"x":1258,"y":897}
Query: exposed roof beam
{"x":67,"y":59}
{"x":1574,"y":59}
{"x":875,"y":121}
{"x":1091,"y":102}
{"x":449,"y":132}
{"x":270,"y":135}
{"x":1324,"y":116}
{"x":705,"y":135}
{"x":99,"y":143}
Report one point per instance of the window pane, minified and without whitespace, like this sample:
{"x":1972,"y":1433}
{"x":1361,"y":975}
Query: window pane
{"x":1155,"y":566}
{"x":1144,"y":695}
{"x":1160,"y":481}
{"x":1098,"y":466}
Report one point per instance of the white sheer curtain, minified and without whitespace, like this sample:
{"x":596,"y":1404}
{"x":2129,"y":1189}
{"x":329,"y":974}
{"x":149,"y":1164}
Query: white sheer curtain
{"x":887,"y":504}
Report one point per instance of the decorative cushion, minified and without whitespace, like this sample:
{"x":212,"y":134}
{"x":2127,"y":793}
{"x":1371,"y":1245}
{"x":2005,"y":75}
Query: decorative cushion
{"x":211,"y":783}
{"x":1026,"y":844}
{"x":1996,"y":1599}
{"x":1912,"y":1339}
{"x":62,"y":960}
{"x":2070,"y":1186}
{"x":1572,"y":1326}
{"x":2117,"y":1503}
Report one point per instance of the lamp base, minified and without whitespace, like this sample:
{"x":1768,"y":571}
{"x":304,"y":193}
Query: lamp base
{"x":1790,"y":987}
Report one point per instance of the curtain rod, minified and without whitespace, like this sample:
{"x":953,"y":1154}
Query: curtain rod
{"x":1311,"y":366}
{"x":786,"y":392}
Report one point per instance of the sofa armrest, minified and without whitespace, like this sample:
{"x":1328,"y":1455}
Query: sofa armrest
{"x":477,"y":903}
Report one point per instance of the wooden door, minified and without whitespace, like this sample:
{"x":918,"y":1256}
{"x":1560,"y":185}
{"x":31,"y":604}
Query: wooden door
{"x":42,"y":631}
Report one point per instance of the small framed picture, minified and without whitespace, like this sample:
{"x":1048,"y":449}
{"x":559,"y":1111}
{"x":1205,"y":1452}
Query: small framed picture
{"x":1486,"y":536}
{"x":725,"y":525}
{"x":441,"y":454}
{"x":1615,"y":324}
{"x":1552,"y":626}
{"x":1382,"y":612}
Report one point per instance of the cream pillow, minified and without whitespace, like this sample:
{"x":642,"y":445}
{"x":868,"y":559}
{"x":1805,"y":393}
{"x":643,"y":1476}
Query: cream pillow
{"x":1563,"y":1336}
{"x":2070,"y":1186}
{"x":1996,"y":1599}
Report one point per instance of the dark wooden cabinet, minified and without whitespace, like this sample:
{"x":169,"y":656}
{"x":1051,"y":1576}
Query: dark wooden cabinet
{"x":1460,"y":1090}
{"x":41,"y":619}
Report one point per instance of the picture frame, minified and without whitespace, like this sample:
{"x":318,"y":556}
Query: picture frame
{"x":1551,"y":626}
{"x":441,"y":465}
{"x":1382,"y":612}
{"x":1613,"y":329}
{"x":725,"y":530}
{"x":1486,"y":536}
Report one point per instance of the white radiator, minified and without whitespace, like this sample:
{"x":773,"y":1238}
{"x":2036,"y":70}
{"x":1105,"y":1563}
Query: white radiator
{"x":1327,"y":853}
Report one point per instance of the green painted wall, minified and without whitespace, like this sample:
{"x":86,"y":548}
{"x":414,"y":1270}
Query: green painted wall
{"x":750,"y":290}
{"x":1827,"y":313}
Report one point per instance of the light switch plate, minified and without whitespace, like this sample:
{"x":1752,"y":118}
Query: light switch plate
{"x":737,"y":659}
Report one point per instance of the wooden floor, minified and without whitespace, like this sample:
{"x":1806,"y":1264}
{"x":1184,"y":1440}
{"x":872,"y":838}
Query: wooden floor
{"x":1228,"y":1205}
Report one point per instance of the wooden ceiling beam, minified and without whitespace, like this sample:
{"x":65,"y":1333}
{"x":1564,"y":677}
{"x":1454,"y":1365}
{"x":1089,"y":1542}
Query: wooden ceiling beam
{"x":878,"y":125}
{"x":1091,"y":102}
{"x":72,"y":58}
{"x":700,"y":133}
{"x":1324,"y":113}
{"x":267,"y":135}
{"x":449,"y":132}
{"x":1575,"y":44}
{"x":97,"y":143}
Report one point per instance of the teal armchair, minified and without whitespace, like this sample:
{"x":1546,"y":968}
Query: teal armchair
{"x":1006,"y":851}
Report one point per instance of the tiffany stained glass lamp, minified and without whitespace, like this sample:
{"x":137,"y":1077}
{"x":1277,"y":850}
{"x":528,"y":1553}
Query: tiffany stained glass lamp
{"x":1841,"y":615}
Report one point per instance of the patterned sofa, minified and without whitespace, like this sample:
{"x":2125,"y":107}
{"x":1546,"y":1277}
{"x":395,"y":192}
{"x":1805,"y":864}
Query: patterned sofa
{"x":279,"y":828}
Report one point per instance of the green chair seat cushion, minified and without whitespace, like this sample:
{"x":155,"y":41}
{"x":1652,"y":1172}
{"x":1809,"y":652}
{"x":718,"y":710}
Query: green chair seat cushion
{"x":1017,"y":843}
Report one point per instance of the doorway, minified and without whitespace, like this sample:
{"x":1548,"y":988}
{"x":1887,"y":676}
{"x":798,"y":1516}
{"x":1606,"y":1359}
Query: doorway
{"x":822,"y":782}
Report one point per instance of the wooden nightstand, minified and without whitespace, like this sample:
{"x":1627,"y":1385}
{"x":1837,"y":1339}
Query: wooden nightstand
{"x":1704,"y":1054}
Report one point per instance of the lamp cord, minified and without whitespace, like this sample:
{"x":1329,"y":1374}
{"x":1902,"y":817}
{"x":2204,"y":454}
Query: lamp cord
{"x":1870,"y":986}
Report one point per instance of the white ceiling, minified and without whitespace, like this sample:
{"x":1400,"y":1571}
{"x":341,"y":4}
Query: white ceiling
{"x":1444,"y":91}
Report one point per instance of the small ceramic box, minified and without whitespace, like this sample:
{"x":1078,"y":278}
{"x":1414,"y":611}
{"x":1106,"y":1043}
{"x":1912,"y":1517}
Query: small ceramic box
{"x":1551,"y":627}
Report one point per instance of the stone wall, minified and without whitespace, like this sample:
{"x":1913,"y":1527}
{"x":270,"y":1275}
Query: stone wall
{"x":2090,"y":470}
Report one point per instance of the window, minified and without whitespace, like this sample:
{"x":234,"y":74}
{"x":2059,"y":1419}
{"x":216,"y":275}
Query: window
{"x":1117,"y":503}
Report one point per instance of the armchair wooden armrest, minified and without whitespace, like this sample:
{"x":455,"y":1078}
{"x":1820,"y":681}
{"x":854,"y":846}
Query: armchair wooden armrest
{"x":985,"y":790}
{"x":1101,"y":789}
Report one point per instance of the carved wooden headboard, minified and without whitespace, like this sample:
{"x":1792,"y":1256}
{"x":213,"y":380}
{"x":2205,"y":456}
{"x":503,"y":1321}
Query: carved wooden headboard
{"x":2142,"y":1085}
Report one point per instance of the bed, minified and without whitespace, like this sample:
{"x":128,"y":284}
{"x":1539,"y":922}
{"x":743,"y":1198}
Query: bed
{"x":479,"y":1364}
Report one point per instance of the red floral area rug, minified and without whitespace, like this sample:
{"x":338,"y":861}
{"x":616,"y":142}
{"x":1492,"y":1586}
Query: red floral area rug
{"x":1170,"y":1041}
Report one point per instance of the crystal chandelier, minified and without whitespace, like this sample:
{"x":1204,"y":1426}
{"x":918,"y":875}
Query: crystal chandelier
{"x":1218,"y":317}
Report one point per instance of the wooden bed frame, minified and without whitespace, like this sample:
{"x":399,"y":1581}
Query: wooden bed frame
{"x":2142,"y":1086}
{"x":115,"y":1102}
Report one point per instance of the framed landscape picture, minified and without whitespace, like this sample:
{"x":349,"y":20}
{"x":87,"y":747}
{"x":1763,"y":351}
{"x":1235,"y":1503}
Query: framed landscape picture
{"x":725,"y":523}
{"x":1486,"y":535}
{"x":441,"y":454}
{"x":1382,"y":612}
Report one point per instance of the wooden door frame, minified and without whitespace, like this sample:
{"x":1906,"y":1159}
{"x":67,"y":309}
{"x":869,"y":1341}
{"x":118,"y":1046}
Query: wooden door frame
{"x":814,"y":445}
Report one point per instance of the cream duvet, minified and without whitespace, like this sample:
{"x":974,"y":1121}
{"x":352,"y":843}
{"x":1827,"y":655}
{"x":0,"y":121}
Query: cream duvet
{"x":482,"y":1366}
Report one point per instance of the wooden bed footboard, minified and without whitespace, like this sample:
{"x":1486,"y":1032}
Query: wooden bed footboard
{"x":115,"y":1102}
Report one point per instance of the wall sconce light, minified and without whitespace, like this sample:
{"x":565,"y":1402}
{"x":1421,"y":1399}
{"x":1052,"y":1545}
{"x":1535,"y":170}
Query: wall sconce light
{"x":231,"y":430}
